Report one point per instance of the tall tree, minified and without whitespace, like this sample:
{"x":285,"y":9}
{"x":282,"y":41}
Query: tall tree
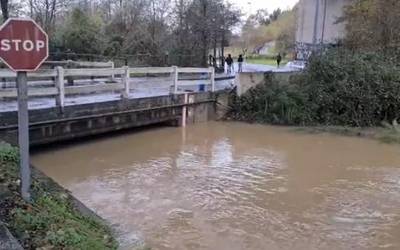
{"x":373,"y":24}
{"x":45,"y":11}
{"x":82,"y":34}
{"x":145,"y":30}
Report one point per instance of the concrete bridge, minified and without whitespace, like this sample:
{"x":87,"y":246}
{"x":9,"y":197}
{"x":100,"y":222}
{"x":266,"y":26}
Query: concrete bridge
{"x":69,"y":103}
{"x":92,"y":98}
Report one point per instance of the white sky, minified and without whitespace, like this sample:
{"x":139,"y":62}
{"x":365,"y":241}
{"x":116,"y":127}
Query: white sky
{"x":251,"y":6}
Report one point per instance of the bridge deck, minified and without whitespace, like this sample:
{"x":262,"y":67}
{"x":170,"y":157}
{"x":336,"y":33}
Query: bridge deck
{"x":143,"y":87}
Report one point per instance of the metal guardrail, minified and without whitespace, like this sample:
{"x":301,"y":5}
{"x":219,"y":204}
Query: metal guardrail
{"x":59,"y":75}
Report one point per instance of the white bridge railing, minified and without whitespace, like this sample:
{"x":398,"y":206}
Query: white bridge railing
{"x":119,"y":80}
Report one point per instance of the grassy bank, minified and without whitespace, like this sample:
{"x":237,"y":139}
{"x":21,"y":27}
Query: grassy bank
{"x":51,"y":221}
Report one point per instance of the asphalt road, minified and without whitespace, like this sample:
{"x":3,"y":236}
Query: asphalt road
{"x":249,"y":67}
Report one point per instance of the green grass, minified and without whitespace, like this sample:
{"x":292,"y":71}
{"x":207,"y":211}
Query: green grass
{"x":51,"y":221}
{"x":265,"y":61}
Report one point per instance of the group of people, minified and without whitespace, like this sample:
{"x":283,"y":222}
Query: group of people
{"x":230,"y":62}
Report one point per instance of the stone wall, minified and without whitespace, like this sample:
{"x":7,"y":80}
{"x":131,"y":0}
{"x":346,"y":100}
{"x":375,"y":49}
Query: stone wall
{"x":317,"y":24}
{"x":244,"y":81}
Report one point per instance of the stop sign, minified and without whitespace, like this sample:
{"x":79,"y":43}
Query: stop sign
{"x":23,"y":44}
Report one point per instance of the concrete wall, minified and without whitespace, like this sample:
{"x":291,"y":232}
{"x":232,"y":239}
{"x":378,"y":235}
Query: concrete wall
{"x":53,"y":125}
{"x":317,"y":23}
{"x":245,"y":81}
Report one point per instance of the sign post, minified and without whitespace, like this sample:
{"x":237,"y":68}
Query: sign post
{"x":23,"y":134}
{"x":23,"y":48}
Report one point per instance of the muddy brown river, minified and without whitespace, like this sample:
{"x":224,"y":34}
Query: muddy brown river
{"x":231,"y":186}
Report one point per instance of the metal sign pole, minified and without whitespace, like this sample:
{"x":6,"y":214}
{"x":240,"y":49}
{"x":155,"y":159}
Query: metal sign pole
{"x":23,"y":135}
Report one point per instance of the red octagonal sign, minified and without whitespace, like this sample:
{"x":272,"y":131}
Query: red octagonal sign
{"x":23,"y":44}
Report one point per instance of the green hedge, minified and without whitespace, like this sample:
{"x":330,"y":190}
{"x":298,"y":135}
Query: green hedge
{"x":338,"y":88}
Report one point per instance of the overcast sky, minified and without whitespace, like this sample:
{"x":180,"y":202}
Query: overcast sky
{"x":253,"y":5}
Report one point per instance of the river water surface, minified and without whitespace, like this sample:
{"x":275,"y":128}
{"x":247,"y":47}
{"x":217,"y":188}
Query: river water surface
{"x":228,"y":186}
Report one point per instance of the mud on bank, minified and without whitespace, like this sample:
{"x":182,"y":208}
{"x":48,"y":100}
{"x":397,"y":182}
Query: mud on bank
{"x":385,"y":134}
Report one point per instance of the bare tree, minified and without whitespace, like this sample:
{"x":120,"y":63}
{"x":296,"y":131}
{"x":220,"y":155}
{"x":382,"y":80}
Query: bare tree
{"x":45,"y":11}
{"x":151,"y":28}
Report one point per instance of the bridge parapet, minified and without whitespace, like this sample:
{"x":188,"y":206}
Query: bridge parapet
{"x":61,"y":82}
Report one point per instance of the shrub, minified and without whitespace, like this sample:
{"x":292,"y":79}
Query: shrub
{"x":8,"y":153}
{"x":272,"y":102}
{"x":51,"y":221}
{"x":338,"y":88}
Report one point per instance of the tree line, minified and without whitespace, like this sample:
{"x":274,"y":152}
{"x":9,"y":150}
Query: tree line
{"x":262,"y":27}
{"x":372,"y":25}
{"x":150,"y":31}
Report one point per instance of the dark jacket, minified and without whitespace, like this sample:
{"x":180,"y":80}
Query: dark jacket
{"x":229,"y":60}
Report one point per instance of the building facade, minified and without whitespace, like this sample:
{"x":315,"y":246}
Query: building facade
{"x":318,"y":26}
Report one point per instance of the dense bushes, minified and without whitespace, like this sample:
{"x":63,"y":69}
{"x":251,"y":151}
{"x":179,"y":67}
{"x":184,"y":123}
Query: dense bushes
{"x":271,"y":102}
{"x":339,"y":88}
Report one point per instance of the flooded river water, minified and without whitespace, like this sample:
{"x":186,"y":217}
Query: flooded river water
{"x":228,"y":186}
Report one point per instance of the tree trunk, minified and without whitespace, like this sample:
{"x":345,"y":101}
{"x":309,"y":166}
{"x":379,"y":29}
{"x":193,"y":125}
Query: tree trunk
{"x":215,"y":49}
{"x":223,"y":45}
{"x":204,"y":34}
{"x":4,"y":9}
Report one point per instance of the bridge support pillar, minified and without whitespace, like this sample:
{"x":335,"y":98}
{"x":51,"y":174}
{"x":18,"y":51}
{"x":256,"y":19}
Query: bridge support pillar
{"x":60,"y":98}
{"x":112,"y":78}
{"x":126,"y":83}
{"x":212,"y":78}
{"x":184,"y":110}
{"x":175,"y":76}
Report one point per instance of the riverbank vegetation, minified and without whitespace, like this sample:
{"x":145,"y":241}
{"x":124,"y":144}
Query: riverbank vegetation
{"x":51,"y":221}
{"x":339,"y":88}
{"x":355,"y":85}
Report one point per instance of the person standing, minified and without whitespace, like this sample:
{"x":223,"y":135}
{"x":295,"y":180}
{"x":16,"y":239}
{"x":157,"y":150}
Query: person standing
{"x":278,"y":59}
{"x":240,"y":63}
{"x":229,"y":63}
